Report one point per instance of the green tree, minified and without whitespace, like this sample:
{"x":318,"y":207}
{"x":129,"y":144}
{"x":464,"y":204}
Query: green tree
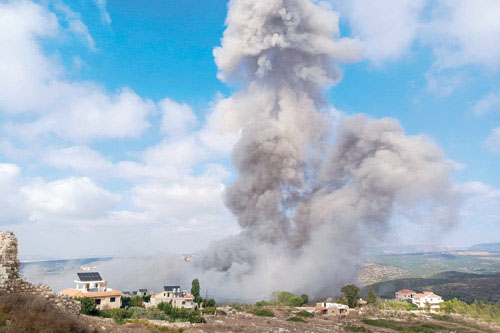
{"x":305,"y":298}
{"x":209,"y":302}
{"x":372,"y":297}
{"x":88,"y":306}
{"x":195,"y":288}
{"x":351,"y":292}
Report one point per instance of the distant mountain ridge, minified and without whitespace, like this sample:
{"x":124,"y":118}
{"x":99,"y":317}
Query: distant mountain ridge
{"x":490,"y":247}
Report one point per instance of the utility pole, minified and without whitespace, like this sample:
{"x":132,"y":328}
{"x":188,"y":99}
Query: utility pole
{"x":206,"y":293}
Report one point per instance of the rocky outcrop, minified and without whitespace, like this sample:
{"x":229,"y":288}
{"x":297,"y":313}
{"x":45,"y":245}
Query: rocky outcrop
{"x":12,"y":282}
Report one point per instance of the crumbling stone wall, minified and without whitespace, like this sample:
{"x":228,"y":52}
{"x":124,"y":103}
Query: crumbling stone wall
{"x":12,"y":282}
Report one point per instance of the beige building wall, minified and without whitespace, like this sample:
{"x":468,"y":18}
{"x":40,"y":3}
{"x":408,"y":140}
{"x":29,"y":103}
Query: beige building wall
{"x":107,"y":304}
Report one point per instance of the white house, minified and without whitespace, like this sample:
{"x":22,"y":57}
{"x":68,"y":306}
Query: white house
{"x":91,"y":285}
{"x":427,"y":299}
{"x":405,"y":295}
{"x":174,"y":296}
{"x":327,"y":308}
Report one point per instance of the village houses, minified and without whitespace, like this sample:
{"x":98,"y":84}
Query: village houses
{"x":427,"y":299}
{"x":91,"y":285}
{"x":174,"y":296}
{"x":423,"y":300}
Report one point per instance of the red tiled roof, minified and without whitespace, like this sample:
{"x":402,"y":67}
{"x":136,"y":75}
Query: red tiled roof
{"x":405,"y":291}
{"x":189,"y":296}
{"x":321,"y":308}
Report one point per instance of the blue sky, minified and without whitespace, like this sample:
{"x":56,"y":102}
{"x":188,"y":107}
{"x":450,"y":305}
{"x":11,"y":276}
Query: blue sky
{"x":108,"y":115}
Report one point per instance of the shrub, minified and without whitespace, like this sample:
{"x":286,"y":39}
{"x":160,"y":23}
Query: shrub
{"x":304,"y":314}
{"x":209,"y":302}
{"x":197,"y":319}
{"x":208,"y":310}
{"x":119,"y":315}
{"x":150,"y":313}
{"x":262,"y":303}
{"x":288,"y":299}
{"x":29,"y":313}
{"x":296,"y":320}
{"x":88,"y":306}
{"x":263,"y":313}
{"x":222,"y":312}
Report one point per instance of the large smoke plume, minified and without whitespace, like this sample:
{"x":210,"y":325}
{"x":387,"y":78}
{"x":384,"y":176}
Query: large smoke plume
{"x":307,"y":200}
{"x":308,"y":195}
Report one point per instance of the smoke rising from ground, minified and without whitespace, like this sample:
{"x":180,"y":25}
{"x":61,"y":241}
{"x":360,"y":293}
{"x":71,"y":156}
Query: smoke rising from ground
{"x":307,"y":197}
{"x":306,"y":206}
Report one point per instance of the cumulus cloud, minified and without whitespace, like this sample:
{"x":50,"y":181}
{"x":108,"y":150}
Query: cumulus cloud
{"x":12,"y":207}
{"x":177,"y":119}
{"x":69,"y":198}
{"x":387,"y":28}
{"x":78,"y":158}
{"x":32,"y":82}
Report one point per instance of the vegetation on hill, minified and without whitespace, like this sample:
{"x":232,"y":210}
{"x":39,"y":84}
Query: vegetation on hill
{"x":464,"y":286}
{"x":480,"y":310}
{"x":29,"y":313}
{"x":428,"y":264}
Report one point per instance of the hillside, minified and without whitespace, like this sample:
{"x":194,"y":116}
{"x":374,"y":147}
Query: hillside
{"x":491,"y":247}
{"x":379,"y":268}
{"x":464,"y":286}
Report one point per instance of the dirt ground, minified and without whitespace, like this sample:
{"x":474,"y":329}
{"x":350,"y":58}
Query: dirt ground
{"x":239,"y":321}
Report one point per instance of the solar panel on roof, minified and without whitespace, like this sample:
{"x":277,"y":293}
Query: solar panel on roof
{"x":91,"y":276}
{"x":172,"y":288}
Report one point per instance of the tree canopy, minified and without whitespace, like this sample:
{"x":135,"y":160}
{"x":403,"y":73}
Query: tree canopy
{"x":351,"y":292}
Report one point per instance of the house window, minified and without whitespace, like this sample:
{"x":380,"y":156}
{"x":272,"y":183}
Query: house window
{"x":97,"y":301}
{"x":112,"y":300}
{"x":183,"y":302}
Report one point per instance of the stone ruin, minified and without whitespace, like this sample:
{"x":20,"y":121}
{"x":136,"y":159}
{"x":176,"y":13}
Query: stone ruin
{"x":12,"y":282}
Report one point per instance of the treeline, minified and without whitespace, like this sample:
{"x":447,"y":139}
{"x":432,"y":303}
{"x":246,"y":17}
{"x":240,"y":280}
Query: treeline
{"x":477,"y":309}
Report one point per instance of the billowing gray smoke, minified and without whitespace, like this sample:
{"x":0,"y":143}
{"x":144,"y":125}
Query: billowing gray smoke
{"x":307,"y":200}
{"x":309,"y":195}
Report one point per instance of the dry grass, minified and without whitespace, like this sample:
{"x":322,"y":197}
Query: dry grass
{"x":28,"y":313}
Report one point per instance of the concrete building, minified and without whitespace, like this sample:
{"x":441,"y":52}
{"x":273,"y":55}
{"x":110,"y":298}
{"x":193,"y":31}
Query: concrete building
{"x":427,"y":299}
{"x":91,"y":285}
{"x":405,"y":295}
{"x":174,"y":296}
{"x":331,"y":309}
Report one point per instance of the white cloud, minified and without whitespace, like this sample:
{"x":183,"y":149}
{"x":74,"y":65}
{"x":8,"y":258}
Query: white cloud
{"x":12,"y":207}
{"x":387,"y":28}
{"x":464,"y":32}
{"x":71,"y":198}
{"x":32,"y":83}
{"x":78,"y":158}
{"x":75,"y":23}
{"x":101,"y":5}
{"x":481,"y":201}
{"x":488,"y":103}
{"x":178,"y":119}
{"x":493,"y":140}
